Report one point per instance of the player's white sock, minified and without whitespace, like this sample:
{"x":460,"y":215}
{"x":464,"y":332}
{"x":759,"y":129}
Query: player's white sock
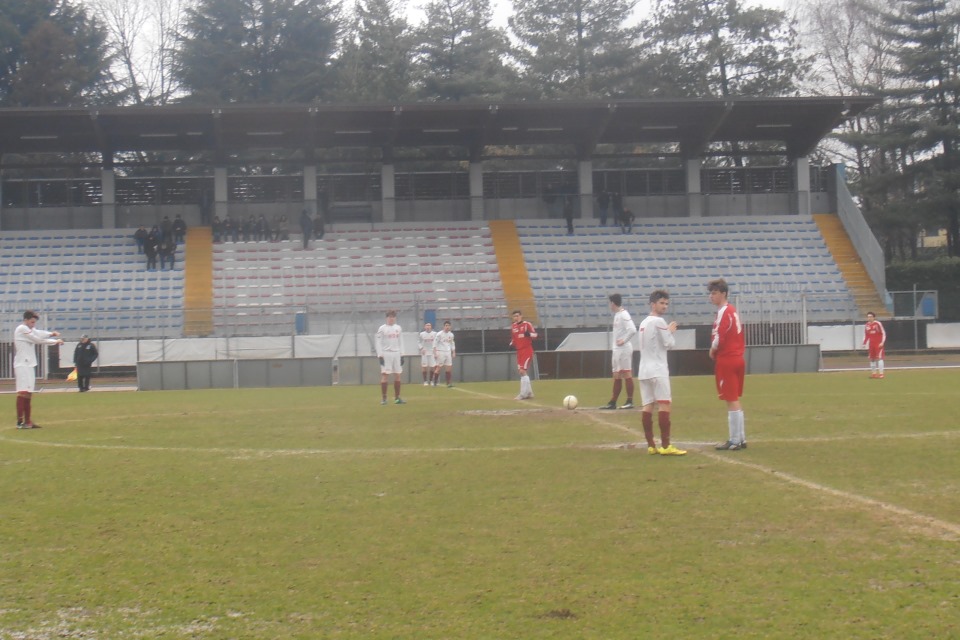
{"x":741,"y":428}
{"x":525,"y":388}
{"x":732,"y":428}
{"x":880,"y":367}
{"x":873,"y":366}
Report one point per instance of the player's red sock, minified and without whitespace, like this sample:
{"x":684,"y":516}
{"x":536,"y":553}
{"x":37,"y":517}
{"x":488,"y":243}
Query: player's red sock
{"x":383,"y":389}
{"x":26,"y":409}
{"x":617,"y":386}
{"x":647,"y":420}
{"x":396,"y":389}
{"x":663,"y":418}
{"x":449,"y":376}
{"x":629,"y":385}
{"x":20,"y":400}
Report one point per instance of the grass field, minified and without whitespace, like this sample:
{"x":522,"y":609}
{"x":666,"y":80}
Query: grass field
{"x":318,"y":513}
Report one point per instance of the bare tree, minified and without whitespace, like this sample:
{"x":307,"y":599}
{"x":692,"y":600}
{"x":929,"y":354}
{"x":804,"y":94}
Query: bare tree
{"x":142,"y":37}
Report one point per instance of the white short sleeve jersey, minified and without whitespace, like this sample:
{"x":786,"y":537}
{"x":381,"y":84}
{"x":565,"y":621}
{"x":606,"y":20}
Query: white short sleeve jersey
{"x":445,"y":342}
{"x":389,"y":339}
{"x":425,"y":341}
{"x":25,"y":341}
{"x":623,"y":329}
{"x":655,"y":340}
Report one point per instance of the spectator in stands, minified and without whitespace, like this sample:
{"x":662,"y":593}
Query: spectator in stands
{"x":247,"y":228}
{"x":626,"y":221}
{"x":168,"y":250}
{"x":26,"y":337}
{"x":624,"y":329}
{"x":319,"y":226}
{"x":603,"y":204}
{"x":231,"y":230}
{"x":568,"y":212}
{"x":166,"y":228}
{"x":150,"y":248}
{"x":616,"y":206}
{"x":140,"y":235}
{"x":281,"y":230}
{"x":522,"y":335}
{"x":179,"y":229}
{"x":263,"y":229}
{"x":217,"y":228}
{"x":84,"y":355}
{"x":306,"y":227}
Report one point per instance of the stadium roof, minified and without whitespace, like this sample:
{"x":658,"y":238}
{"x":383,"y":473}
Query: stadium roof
{"x":797,"y":123}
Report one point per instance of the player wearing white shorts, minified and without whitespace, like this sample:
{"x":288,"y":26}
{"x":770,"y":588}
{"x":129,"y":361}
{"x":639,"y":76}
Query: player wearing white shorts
{"x":26,"y":337}
{"x":656,"y":338}
{"x":622,"y":344}
{"x":389,"y":345}
{"x":446,"y":352}
{"x":428,"y":354}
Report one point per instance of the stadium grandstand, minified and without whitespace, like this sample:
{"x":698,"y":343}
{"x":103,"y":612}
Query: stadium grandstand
{"x":444,"y":211}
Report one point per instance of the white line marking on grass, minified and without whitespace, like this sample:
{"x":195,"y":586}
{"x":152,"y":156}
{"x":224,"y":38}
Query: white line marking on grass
{"x":858,"y":437}
{"x":953,"y":530}
{"x":243,"y":453}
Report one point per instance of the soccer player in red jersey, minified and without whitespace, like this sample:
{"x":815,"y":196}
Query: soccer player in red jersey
{"x":522,"y":335}
{"x":727,"y":346}
{"x":874,"y":337}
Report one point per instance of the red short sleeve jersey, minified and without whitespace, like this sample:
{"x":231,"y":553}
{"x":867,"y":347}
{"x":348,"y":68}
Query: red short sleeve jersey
{"x":727,"y":335}
{"x":873,"y":334}
{"x":518,"y":337}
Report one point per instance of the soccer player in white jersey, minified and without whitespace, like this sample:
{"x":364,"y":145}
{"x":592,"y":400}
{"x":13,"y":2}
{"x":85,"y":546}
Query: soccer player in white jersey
{"x":622,"y":338}
{"x":428,"y":353}
{"x":656,"y":338}
{"x":446,"y":352}
{"x":26,"y":337}
{"x":389,"y":344}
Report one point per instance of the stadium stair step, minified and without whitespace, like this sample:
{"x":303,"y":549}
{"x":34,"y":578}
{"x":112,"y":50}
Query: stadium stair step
{"x":198,"y":282}
{"x":864,"y":292}
{"x":514,"y":277}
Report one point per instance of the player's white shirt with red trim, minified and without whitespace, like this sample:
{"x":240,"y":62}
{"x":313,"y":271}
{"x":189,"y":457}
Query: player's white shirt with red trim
{"x":518,"y":338}
{"x":389,"y":339}
{"x":25,"y":341}
{"x":874,"y":334}
{"x":655,"y":340}
{"x":727,"y":334}
{"x":445,"y":342}
{"x":623,"y":329}
{"x":426,"y":341}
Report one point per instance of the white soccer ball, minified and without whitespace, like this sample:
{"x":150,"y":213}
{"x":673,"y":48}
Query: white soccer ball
{"x":570,"y":402}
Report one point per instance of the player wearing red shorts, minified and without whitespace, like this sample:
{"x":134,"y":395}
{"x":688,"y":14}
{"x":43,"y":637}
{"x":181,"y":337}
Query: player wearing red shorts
{"x":727,"y":347}
{"x":522,"y":334}
{"x":874,"y":337}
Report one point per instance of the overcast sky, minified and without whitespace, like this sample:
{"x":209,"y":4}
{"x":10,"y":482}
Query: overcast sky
{"x":503,"y":8}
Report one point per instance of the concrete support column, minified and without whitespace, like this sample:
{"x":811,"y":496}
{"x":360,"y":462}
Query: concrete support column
{"x":477,"y":210}
{"x":310,"y":188}
{"x":694,"y":188}
{"x":801,"y":167}
{"x":388,"y":192}
{"x":585,"y":180}
{"x":108,"y":200}
{"x":220,"y":192}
